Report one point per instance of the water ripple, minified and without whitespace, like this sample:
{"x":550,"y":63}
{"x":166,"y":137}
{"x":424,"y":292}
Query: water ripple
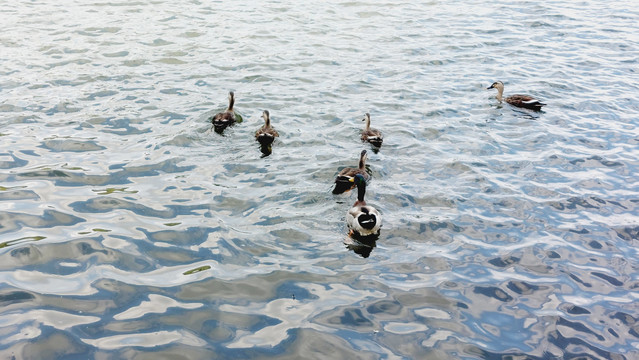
{"x":129,"y":229}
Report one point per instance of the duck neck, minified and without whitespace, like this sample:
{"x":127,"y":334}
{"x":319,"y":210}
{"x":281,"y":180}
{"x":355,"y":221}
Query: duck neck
{"x":267,"y":121}
{"x":500,"y":93}
{"x":231,"y":101}
{"x":361,"y":191}
{"x":368,"y":122}
{"x":362,"y":162}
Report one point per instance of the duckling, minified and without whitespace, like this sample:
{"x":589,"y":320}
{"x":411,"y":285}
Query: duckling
{"x":266,"y":134}
{"x":364,"y":221}
{"x":343,"y":181}
{"x":524,"y":101}
{"x":373,"y":136}
{"x":222,"y":120}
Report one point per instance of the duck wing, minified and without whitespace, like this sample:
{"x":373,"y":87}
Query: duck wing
{"x":525,"y":101}
{"x":373,"y":136}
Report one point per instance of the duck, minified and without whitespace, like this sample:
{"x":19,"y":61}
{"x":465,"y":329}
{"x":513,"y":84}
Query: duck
{"x":371,"y":135}
{"x":223,"y":119}
{"x":524,"y":101}
{"x":343,"y":181}
{"x":266,"y":134}
{"x":364,"y":221}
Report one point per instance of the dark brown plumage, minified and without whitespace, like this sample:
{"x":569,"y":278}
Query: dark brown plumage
{"x":371,"y":135}
{"x":524,"y":101}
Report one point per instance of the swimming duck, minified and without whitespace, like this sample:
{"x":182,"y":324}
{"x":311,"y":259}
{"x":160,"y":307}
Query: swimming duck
{"x":373,"y":136}
{"x":524,"y":101}
{"x":363,"y":220}
{"x":343,"y":181}
{"x":266,"y":134}
{"x":223,"y":119}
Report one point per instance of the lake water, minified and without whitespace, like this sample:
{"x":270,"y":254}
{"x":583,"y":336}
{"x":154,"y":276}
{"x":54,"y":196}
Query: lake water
{"x":129,"y":230}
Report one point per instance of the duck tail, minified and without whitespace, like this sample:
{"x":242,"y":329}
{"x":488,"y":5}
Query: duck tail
{"x":265,"y":139}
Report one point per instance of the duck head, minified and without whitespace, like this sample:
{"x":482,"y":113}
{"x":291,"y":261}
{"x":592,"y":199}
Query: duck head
{"x":500,"y":89}
{"x":367,"y":118}
{"x":358,"y":180}
{"x":496,"y":85}
{"x":362,"y":159}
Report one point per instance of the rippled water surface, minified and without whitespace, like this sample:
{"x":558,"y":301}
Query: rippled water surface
{"x":129,"y":230}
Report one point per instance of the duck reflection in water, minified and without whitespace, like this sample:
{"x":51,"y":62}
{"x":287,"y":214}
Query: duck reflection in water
{"x":361,"y":246}
{"x":266,"y":150}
